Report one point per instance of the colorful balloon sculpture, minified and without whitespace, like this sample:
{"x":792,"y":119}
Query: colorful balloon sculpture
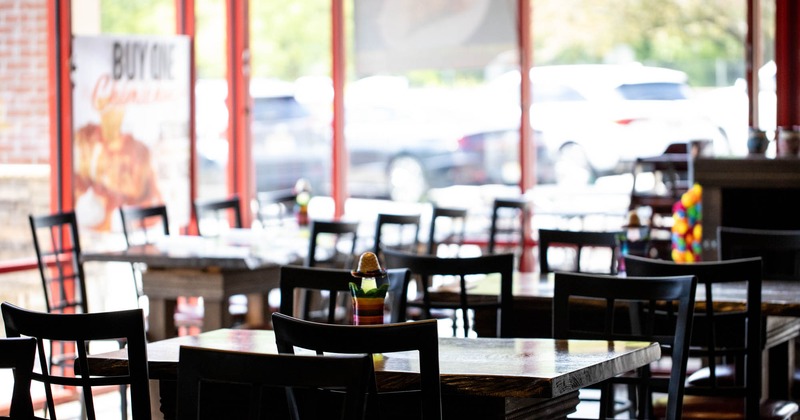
{"x":687,"y":229}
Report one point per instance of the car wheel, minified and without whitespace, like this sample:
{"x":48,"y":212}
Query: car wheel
{"x":572,"y":167}
{"x":406,"y":179}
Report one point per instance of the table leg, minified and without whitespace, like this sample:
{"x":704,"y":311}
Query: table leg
{"x":161,"y":321}
{"x":214,"y":311}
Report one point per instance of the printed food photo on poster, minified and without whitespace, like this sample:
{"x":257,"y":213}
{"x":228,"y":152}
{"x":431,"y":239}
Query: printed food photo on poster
{"x":131,"y":126}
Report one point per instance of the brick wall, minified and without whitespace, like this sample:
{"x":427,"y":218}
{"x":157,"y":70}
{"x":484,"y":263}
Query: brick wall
{"x":24,"y":121}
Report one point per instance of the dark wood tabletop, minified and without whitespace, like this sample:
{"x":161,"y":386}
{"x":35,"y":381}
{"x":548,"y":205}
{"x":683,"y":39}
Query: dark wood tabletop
{"x":515,"y":371}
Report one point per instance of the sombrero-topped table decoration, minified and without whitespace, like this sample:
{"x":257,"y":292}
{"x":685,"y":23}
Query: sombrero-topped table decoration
{"x":368,"y":298}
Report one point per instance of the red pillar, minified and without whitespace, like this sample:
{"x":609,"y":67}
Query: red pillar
{"x":185,"y":25}
{"x":59,"y":52}
{"x":240,"y":168}
{"x":787,"y":60}
{"x":338,"y":66}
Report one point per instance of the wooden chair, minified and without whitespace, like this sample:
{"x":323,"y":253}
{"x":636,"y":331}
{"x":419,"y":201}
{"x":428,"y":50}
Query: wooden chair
{"x":336,"y":283}
{"x":405,"y":233}
{"x":218,"y":384}
{"x":19,"y":354}
{"x":325,"y":244}
{"x":214,"y":216}
{"x":420,"y":336}
{"x":727,"y":342}
{"x":275,"y":207}
{"x":331,"y":232}
{"x":455,"y":233}
{"x":81,"y":331}
{"x":670,"y":172}
{"x":779,"y":249}
{"x":143,"y":225}
{"x":577,"y":241}
{"x":586,"y":306}
{"x":425,"y":267}
{"x":58,"y":253}
{"x":146,"y":225}
{"x":510,"y":219}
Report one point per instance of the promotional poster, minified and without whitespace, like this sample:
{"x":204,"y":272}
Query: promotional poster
{"x":131,"y":122}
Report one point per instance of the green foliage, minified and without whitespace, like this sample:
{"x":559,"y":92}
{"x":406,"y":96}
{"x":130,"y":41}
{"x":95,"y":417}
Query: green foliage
{"x":381,"y":291}
{"x":289,"y":39}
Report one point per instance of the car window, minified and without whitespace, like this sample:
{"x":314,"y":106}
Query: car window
{"x":555,"y":92}
{"x":278,"y":108}
{"x":653,"y":91}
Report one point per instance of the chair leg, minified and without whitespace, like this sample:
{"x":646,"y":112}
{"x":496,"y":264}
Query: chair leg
{"x":123,"y":404}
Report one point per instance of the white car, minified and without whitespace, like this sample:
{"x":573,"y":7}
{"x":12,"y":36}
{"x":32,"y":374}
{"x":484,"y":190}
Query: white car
{"x":596,"y":119}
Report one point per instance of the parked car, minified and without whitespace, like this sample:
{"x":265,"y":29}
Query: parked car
{"x":595,"y":119}
{"x":395,"y":149}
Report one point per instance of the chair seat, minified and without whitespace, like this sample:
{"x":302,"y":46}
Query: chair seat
{"x":717,"y":408}
{"x":726,"y":374}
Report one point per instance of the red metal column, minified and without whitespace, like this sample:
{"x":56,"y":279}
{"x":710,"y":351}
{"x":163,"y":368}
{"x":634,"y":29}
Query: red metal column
{"x":240,"y":165}
{"x":787,"y":60}
{"x":185,"y":25}
{"x":59,"y":52}
{"x":338,"y":65}
{"x":527,"y":153}
{"x":753,"y":59}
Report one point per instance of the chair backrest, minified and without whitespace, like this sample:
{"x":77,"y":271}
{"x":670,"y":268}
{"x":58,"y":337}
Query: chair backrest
{"x":274,"y":207}
{"x":330,"y":256}
{"x":585,"y":306}
{"x":457,"y":225}
{"x":778,"y":249}
{"x":423,"y":267}
{"x":336,"y":282}
{"x":79,"y":330}
{"x":510,"y":220}
{"x":261,"y":375}
{"x":577,"y":242}
{"x":18,"y":354}
{"x":396,"y":231}
{"x":717,"y":333}
{"x":420,"y":336}
{"x":144,"y":225}
{"x":214,"y":216}
{"x":58,"y":251}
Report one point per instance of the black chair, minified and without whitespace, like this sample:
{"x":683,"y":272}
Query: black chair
{"x":214,"y":216}
{"x":58,"y":253}
{"x":510,"y":225}
{"x":19,"y":354}
{"x":143,"y":225}
{"x":220,"y":384}
{"x":336,"y":282}
{"x":420,"y":336}
{"x":403,"y":229}
{"x":778,"y":249}
{"x":592,"y":307}
{"x":424,"y":267}
{"x":454,"y":235}
{"x":275,"y":207}
{"x":577,"y":242}
{"x":727,"y":341}
{"x":325,"y":249}
{"x":337,"y":232}
{"x":81,"y":331}
{"x":146,"y":225}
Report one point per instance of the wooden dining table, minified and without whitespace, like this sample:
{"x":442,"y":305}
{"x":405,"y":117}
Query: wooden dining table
{"x":533,"y":295}
{"x":485,"y":378}
{"x":240,"y":261}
